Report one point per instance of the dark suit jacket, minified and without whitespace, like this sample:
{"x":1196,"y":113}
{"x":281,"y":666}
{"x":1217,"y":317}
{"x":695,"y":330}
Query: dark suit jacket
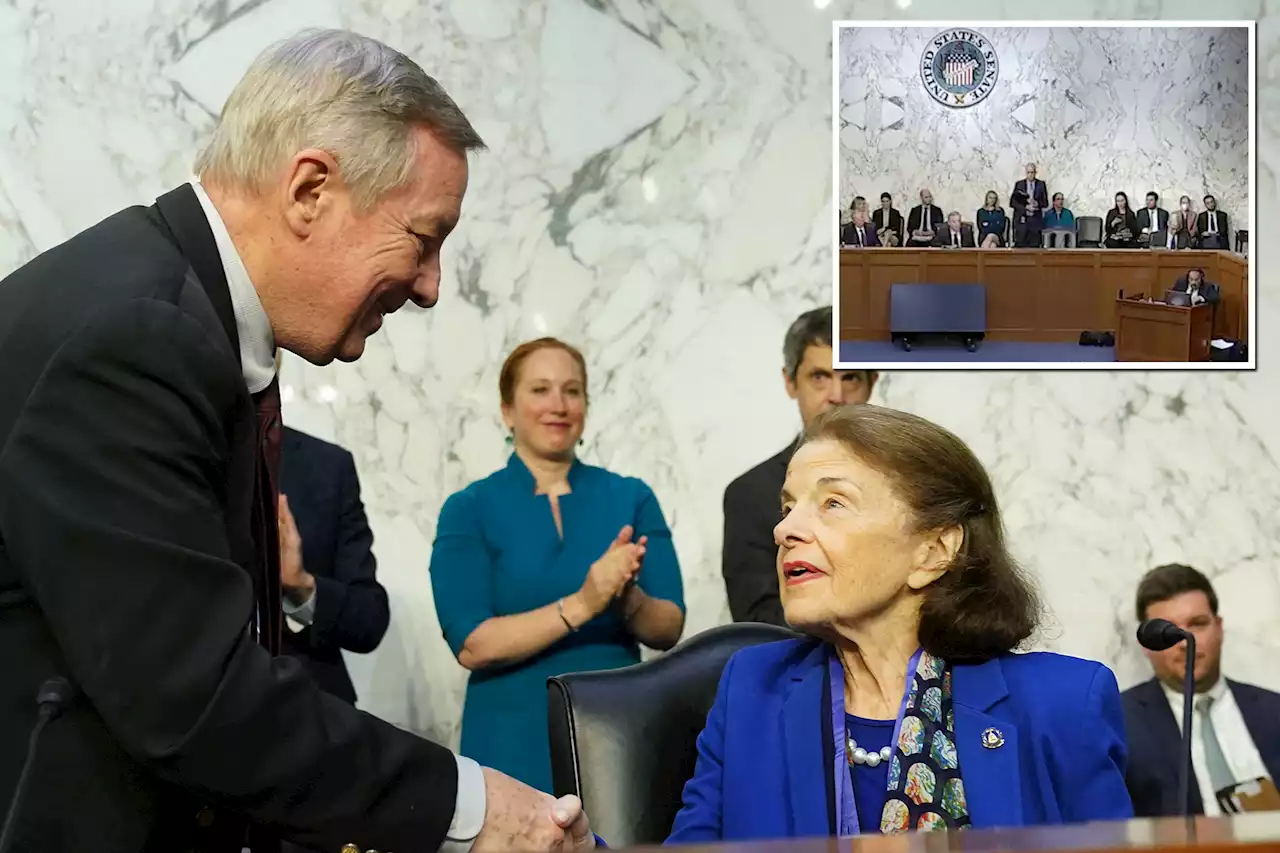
{"x":1224,"y":226}
{"x":351,"y":609}
{"x":1155,"y":744}
{"x":943,"y":237}
{"x":749,"y":558}
{"x":849,"y":235}
{"x":1208,"y":290}
{"x":1144,"y":219}
{"x":127,"y":454}
{"x":1039,"y":192}
{"x":915,"y":218}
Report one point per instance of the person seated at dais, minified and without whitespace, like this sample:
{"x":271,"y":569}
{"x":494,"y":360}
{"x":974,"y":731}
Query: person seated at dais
{"x":905,"y":707}
{"x":859,"y":233}
{"x":956,"y":234}
{"x":890,"y":226}
{"x":991,"y":222}
{"x":1175,"y":235}
{"x":923,"y":221}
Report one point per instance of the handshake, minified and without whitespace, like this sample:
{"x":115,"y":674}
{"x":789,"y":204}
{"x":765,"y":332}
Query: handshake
{"x":517,"y":817}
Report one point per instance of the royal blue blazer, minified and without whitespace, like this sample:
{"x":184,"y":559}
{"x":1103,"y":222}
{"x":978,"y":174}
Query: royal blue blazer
{"x":765,"y":759}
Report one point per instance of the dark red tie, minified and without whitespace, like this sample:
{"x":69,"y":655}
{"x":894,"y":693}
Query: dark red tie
{"x":266,"y":491}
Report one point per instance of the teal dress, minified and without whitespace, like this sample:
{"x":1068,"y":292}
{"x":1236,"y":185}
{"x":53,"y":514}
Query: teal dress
{"x":497,"y":553}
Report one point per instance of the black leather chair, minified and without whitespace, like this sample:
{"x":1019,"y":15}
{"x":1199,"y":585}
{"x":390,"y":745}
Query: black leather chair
{"x":625,"y":740}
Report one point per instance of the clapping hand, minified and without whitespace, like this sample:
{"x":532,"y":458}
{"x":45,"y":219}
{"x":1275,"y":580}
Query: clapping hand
{"x":610,"y":575}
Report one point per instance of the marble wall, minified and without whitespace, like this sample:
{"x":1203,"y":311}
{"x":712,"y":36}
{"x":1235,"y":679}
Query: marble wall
{"x":658,"y":192}
{"x":1099,"y":110}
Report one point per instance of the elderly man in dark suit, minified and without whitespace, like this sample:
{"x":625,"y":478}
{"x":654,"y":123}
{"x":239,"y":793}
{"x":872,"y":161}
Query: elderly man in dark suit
{"x":332,"y":598}
{"x":1029,"y":198}
{"x":956,"y":234}
{"x":139,"y":448}
{"x":859,"y":233}
{"x":751,"y":504}
{"x":1236,"y":728}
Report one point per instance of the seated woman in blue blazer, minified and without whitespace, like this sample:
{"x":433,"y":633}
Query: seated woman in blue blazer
{"x":906,"y":708}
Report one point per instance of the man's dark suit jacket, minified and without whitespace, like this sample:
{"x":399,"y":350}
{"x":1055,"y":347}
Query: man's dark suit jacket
{"x":1224,"y":227}
{"x":915,"y":218}
{"x":1155,"y":744}
{"x":351,"y":609}
{"x":127,"y":458}
{"x":1208,"y":290}
{"x":943,"y":237}
{"x":1144,"y":220}
{"x":1039,"y":192}
{"x":749,"y":557}
{"x":849,"y":235}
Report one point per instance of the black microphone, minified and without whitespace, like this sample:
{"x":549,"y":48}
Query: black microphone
{"x":52,"y":699}
{"x":1158,"y":635}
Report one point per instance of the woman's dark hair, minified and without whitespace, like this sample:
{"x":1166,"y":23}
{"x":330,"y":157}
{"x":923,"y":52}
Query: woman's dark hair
{"x":984,"y":605}
{"x":509,"y":376}
{"x":886,"y":197}
{"x":1124,"y":195}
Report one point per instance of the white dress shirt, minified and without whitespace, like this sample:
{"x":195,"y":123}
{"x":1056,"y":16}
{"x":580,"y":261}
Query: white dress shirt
{"x":1237,"y":744}
{"x":258,"y":363}
{"x":1153,"y":217}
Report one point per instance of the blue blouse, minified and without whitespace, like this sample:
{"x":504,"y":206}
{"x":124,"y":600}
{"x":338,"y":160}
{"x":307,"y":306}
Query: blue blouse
{"x":990,"y":222}
{"x":497,"y":553}
{"x":1053,"y":219}
{"x":870,"y":784}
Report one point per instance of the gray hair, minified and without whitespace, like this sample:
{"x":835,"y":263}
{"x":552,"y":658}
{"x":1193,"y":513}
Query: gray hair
{"x":338,"y":91}
{"x":812,"y":328}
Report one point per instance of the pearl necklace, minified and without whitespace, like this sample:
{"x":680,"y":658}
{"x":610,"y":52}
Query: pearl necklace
{"x":858,"y":755}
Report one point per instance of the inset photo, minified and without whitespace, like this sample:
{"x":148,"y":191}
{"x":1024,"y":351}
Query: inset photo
{"x":1072,"y":195}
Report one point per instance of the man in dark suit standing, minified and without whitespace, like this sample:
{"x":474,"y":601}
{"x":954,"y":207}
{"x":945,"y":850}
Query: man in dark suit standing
{"x":139,"y":449}
{"x":1028,"y":199}
{"x":1236,"y":728}
{"x":956,"y":235}
{"x":751,"y":505}
{"x":1212,"y":226}
{"x":1152,"y":219}
{"x":332,"y":598}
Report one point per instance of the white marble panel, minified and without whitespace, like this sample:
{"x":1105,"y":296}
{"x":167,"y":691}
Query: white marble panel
{"x":1099,"y":110}
{"x":672,"y":225}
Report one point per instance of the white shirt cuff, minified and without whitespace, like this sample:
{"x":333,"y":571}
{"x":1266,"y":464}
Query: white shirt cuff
{"x":304,"y":613}
{"x":468,"y":814}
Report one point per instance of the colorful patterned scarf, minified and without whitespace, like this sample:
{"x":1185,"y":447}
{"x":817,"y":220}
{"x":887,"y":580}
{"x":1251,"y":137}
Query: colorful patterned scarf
{"x":925,"y":788}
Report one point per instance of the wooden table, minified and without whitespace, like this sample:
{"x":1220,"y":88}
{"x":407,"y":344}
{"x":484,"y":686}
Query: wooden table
{"x":1037,"y":294}
{"x":1253,"y":833}
{"x":1153,"y":331}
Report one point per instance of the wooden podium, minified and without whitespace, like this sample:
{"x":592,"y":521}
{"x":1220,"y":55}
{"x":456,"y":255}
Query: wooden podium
{"x":1154,"y":331}
{"x":1251,"y":833}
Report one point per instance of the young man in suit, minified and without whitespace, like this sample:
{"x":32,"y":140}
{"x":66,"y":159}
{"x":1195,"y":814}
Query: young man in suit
{"x":923,"y":220}
{"x":1236,"y":728}
{"x":139,"y":449}
{"x":751,"y":507}
{"x":1153,"y":220}
{"x":1028,"y":199}
{"x":332,"y":599}
{"x":1212,"y":226}
{"x":956,"y":235}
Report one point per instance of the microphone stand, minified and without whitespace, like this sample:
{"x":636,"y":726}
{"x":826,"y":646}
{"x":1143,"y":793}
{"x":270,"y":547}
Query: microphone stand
{"x":54,"y":696}
{"x":1188,"y":710}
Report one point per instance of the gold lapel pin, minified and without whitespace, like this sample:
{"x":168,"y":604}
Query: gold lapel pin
{"x":992,"y":739}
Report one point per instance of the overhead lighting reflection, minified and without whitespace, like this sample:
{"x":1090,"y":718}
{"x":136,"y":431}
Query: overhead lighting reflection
{"x":286,"y":394}
{"x":902,"y":4}
{"x":540,"y":323}
{"x":649,"y":189}
{"x":327,"y":393}
{"x":821,"y":4}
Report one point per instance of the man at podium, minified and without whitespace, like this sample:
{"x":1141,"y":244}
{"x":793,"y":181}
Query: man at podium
{"x":1235,"y":741}
{"x":1197,"y":289}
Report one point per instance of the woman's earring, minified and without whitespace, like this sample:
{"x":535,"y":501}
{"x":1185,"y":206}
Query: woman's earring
{"x":510,"y":439}
{"x":581,"y":441}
